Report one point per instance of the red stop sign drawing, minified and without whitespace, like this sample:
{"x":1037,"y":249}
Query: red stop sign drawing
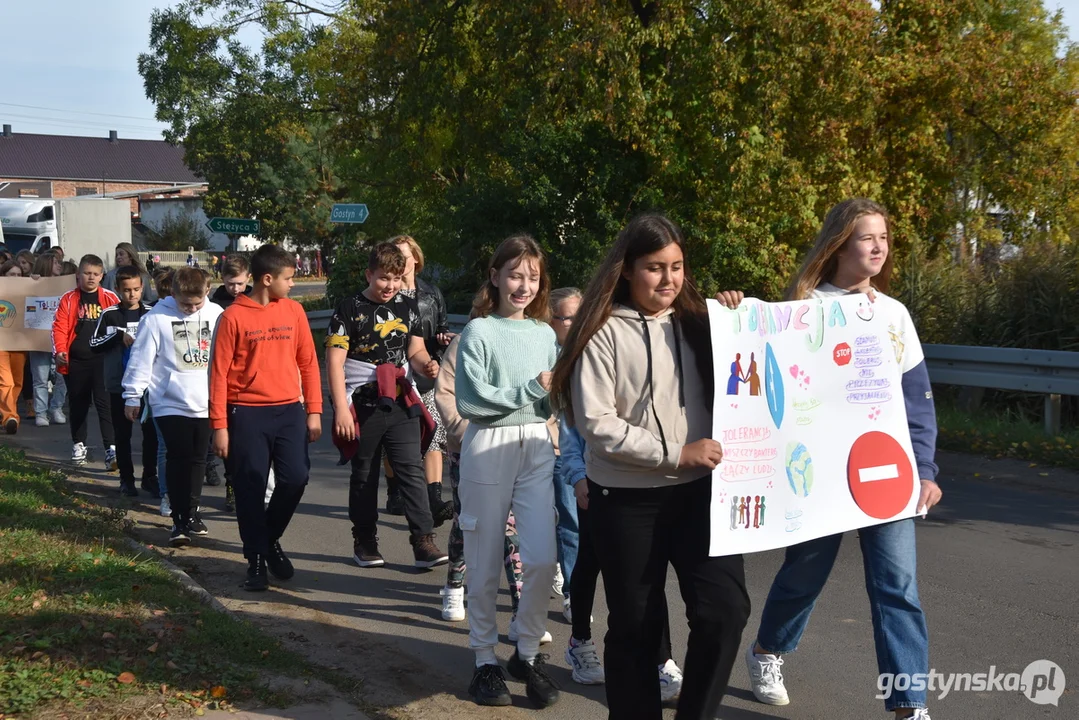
{"x":880,"y":475}
{"x":841,"y":354}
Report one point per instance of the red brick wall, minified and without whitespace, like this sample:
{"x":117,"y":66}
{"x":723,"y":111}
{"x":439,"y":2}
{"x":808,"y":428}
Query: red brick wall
{"x":67,"y":188}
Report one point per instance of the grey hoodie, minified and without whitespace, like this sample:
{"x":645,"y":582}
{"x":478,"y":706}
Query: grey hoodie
{"x":636,"y":405}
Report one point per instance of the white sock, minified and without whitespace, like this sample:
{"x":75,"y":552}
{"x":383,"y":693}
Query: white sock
{"x":485,"y":656}
{"x":527,"y":654}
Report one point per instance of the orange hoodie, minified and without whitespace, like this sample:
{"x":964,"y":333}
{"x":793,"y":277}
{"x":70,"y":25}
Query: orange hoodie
{"x":260,"y":356}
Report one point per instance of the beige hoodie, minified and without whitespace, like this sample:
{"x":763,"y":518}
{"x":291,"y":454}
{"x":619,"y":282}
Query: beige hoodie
{"x":634,"y":433}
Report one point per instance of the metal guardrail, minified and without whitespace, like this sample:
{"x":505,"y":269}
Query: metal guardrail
{"x":1048,"y":372}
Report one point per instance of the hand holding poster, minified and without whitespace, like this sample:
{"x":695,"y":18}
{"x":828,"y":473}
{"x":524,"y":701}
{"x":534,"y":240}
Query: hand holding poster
{"x":27,"y":309}
{"x":809,"y":410}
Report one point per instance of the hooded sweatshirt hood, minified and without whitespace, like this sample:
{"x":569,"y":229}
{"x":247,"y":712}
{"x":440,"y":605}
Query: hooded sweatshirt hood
{"x":171,"y":359}
{"x":638,"y":399}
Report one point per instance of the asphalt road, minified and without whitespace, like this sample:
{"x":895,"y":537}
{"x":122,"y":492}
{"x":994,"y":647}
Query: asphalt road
{"x":998,"y":567}
{"x":308,"y":289}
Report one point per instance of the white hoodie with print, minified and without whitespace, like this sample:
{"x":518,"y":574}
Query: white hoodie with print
{"x":171,"y":358}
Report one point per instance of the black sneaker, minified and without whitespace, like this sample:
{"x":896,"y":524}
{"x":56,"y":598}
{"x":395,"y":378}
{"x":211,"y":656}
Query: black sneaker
{"x":426,"y":553}
{"x":395,"y":504}
{"x":256,"y":579}
{"x":488,"y":686}
{"x":127,"y":488}
{"x":278,"y":563}
{"x":196,"y":526}
{"x":540,"y":687}
{"x":213,"y":477}
{"x":365,"y":552}
{"x":11,"y":426}
{"x":149,"y":485}
{"x":230,"y":498}
{"x":179,"y":535}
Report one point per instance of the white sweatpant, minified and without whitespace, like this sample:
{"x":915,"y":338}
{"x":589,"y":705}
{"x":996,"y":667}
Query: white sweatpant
{"x":504,"y":467}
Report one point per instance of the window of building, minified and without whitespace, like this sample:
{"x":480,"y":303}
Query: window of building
{"x":28,"y":192}
{"x":85,"y":191}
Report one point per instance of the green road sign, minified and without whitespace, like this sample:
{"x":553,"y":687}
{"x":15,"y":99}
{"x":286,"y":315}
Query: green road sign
{"x":342,"y":213}
{"x":233,"y":226}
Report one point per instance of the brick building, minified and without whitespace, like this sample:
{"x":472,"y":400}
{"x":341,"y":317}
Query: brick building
{"x":62,"y":166}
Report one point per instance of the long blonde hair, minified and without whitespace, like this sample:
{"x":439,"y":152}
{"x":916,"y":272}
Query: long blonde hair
{"x":823,"y":259}
{"x":132,"y":253}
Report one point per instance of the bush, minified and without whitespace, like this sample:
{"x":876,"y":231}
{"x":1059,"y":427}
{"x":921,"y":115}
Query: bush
{"x":1023,"y":302}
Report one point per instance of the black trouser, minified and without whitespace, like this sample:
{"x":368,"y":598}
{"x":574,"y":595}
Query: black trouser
{"x":637,"y":532}
{"x":123,"y":427}
{"x":390,"y":430}
{"x":86,"y":382}
{"x":582,"y":587}
{"x":259,"y":436}
{"x":186,"y":439}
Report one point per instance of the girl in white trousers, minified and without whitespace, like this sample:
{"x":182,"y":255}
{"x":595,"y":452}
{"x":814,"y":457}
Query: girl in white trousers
{"x":507,"y":459}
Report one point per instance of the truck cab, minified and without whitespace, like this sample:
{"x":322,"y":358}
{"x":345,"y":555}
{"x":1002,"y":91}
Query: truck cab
{"x":28,"y":224}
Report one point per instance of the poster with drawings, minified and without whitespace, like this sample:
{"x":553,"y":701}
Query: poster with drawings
{"x":809,"y":410}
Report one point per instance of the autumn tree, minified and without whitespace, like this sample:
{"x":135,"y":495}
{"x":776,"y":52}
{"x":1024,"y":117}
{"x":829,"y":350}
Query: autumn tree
{"x":463,"y":121}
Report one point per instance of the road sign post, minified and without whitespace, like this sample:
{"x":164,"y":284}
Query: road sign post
{"x":348,"y":213}
{"x":234,"y":226}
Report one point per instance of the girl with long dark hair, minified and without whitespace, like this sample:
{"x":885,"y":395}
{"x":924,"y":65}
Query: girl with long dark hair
{"x":635,"y":379}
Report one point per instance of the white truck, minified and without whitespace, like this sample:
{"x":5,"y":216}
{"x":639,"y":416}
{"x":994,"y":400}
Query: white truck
{"x":79,"y":226}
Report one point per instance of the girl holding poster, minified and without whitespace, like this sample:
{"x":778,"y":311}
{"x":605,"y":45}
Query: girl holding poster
{"x":635,"y":379}
{"x":851,"y":255}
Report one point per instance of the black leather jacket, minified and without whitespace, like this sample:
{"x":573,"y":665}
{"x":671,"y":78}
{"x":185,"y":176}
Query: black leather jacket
{"x":433,"y":321}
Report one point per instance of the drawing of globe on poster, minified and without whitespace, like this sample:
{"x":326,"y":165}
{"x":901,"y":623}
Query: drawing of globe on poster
{"x":810,"y":413}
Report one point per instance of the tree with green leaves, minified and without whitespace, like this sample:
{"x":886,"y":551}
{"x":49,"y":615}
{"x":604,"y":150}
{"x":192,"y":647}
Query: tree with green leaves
{"x":465,"y":120}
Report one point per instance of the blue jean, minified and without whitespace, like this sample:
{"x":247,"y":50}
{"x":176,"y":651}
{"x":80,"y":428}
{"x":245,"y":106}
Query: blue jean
{"x":567,"y":533}
{"x":891,"y":580}
{"x":161,"y":484}
{"x":41,"y":366}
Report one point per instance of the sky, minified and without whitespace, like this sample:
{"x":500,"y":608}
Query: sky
{"x":69,"y":66}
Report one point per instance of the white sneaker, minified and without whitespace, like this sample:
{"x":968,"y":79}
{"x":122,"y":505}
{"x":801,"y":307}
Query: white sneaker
{"x":110,"y":458}
{"x":57,"y":417}
{"x":166,"y":508}
{"x":79,"y":453}
{"x":670,"y":681}
{"x":582,"y":657}
{"x":766,"y":678}
{"x":41,"y":421}
{"x":556,"y":584}
{"x":920,"y":714}
{"x":567,"y":612}
{"x":453,"y":604}
{"x":514,"y":636}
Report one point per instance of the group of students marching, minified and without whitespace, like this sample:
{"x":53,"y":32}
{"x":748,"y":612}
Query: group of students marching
{"x":578,"y":431}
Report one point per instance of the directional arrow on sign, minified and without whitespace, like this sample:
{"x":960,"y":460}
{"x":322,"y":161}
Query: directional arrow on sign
{"x":348,"y":213}
{"x":234,"y":226}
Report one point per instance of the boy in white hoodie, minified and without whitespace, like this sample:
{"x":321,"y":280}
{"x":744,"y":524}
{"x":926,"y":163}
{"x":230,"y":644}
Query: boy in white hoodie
{"x":171,"y":357}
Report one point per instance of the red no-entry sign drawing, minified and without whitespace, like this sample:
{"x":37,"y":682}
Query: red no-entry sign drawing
{"x":880,"y":476}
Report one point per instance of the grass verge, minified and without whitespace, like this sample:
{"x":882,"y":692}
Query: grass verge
{"x":1004,"y":434}
{"x":89,"y":628}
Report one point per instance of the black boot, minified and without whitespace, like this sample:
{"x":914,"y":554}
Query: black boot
{"x":278,"y":563}
{"x":441,"y":510}
{"x":256,"y":579}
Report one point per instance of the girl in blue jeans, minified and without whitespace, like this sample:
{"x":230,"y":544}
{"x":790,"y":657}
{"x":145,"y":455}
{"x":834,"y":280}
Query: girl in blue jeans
{"x":851,"y":256}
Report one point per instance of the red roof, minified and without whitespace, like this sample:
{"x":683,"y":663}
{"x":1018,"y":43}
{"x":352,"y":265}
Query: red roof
{"x":63,"y":157}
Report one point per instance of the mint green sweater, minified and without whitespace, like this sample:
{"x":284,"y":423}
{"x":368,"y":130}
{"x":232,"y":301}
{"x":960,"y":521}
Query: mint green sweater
{"x":497,"y":364}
